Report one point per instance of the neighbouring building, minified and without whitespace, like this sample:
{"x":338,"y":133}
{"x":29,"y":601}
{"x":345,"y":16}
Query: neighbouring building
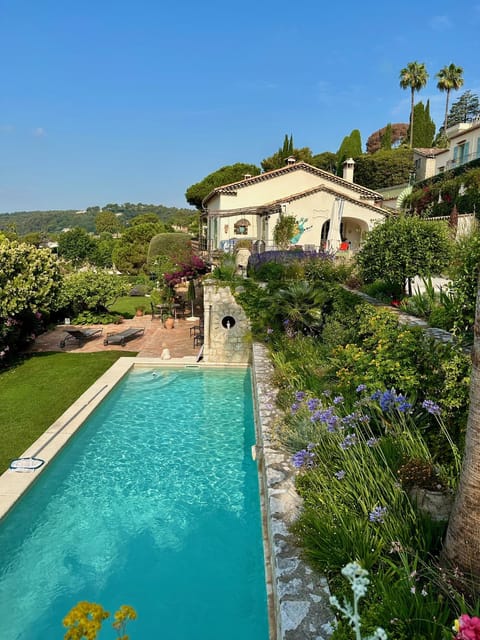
{"x":464,"y":146}
{"x":332,"y":212}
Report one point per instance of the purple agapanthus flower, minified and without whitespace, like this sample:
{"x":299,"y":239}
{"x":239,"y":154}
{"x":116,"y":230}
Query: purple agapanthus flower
{"x":294,"y":408}
{"x":338,"y":400}
{"x":349,"y":441}
{"x":339,"y":475}
{"x":312,"y":404}
{"x":360,"y":388}
{"x":299,"y":395}
{"x":303,"y":458}
{"x":431,"y":407}
{"x":371,"y":442}
{"x":390,"y":400}
{"x":378,"y":515}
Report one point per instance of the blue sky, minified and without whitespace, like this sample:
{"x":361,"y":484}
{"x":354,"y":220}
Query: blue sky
{"x":113,"y":101}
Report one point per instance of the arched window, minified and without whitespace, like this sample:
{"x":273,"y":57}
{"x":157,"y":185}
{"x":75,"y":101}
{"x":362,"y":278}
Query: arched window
{"x":241,"y":227}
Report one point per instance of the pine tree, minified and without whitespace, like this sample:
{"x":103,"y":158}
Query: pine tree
{"x":465,"y":109}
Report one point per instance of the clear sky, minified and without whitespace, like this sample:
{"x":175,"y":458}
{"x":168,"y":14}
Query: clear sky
{"x":133,"y":101}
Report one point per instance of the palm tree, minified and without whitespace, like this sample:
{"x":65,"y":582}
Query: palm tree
{"x":414,"y":77}
{"x":462,"y":542}
{"x":449,"y":78}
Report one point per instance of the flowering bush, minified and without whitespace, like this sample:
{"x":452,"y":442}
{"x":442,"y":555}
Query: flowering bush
{"x":467,"y":628}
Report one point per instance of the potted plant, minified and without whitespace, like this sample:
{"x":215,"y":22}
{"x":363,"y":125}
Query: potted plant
{"x":140,"y":310}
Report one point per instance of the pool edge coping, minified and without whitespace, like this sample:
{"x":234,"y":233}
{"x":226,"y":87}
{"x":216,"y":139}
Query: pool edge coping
{"x":13,"y":484}
{"x":300,"y":596}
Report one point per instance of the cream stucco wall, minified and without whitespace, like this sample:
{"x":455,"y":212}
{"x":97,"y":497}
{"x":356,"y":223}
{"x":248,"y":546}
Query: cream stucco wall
{"x":313,"y":210}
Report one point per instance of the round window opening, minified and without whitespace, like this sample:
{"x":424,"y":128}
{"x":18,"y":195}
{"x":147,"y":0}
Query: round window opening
{"x":228,"y":322}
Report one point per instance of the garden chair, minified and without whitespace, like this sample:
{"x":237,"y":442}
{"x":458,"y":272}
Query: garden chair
{"x":124,"y":336}
{"x":81,"y":335}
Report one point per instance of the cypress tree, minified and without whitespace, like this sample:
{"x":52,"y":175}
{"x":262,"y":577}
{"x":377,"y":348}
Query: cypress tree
{"x":386,"y":141}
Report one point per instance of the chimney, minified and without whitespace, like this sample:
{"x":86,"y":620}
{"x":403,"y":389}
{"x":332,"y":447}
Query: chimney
{"x":348,"y":167}
{"x":246,"y":176}
{"x":290,"y":160}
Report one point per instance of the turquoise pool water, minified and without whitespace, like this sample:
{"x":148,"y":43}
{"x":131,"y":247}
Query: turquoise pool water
{"x":153,"y":504}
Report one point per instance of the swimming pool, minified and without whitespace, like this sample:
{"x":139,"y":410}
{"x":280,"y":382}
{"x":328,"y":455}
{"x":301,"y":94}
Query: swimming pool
{"x":154,"y":504}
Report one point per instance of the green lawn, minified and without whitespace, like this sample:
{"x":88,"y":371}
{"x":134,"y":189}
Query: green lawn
{"x":39,"y":389}
{"x":127,"y":305}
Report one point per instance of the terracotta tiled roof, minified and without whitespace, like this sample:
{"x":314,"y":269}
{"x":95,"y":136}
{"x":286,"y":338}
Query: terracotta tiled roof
{"x":429,"y":152}
{"x":330,"y":177}
{"x":275,"y":205}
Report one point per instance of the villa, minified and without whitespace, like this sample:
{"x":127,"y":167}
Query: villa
{"x":332,"y":212}
{"x":464,"y":147}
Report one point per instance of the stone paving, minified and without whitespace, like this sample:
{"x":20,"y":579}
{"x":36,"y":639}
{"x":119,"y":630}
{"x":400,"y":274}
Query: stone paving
{"x":151,"y":344}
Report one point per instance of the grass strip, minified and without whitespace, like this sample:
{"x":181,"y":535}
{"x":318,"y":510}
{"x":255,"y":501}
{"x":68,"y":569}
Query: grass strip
{"x":36,"y":392}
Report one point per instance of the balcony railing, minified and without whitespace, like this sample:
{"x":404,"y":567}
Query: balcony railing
{"x":458,"y":162}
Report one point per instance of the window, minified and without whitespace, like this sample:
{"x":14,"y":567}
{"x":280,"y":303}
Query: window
{"x":241,"y":227}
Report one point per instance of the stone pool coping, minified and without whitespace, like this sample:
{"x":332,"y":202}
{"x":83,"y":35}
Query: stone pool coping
{"x":298,"y":598}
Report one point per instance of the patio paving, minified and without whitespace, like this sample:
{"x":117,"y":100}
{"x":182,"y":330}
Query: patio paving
{"x":151,"y":344}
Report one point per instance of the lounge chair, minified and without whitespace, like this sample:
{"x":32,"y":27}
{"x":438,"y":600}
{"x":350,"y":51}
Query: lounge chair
{"x":81,"y":335}
{"x":123,"y":336}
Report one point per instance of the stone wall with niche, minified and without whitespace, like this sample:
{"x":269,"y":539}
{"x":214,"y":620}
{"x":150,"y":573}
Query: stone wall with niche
{"x":226,"y":327}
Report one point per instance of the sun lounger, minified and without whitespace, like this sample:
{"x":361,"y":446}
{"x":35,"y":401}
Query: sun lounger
{"x":123,"y":336}
{"x":81,"y":335}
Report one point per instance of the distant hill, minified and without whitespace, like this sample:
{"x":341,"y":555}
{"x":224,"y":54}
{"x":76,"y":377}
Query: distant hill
{"x":51,"y":222}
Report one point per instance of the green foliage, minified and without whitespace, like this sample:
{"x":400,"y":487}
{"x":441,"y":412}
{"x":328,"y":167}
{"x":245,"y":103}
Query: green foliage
{"x":423,"y":126}
{"x":52,"y":222}
{"x":465,"y":272}
{"x":168,"y":251}
{"x":29,"y":283}
{"x":107,"y":222}
{"x":351,"y":147}
{"x":439,"y":197}
{"x":103,"y":254}
{"x":327,"y":269}
{"x":29,"y":279}
{"x":326,"y":161}
{"x":386,"y":139}
{"x":398,"y":133}
{"x":449,"y":79}
{"x":284,"y":231}
{"x":130,"y":252}
{"x":402,"y":248}
{"x":73,"y":373}
{"x":225,"y":175}
{"x":384,"y":168}
{"x":77,"y":246}
{"x":465,"y":109}
{"x":298,"y":308}
{"x":226,"y":269}
{"x":90,"y":291}
{"x":414,"y":77}
{"x":269,"y":272}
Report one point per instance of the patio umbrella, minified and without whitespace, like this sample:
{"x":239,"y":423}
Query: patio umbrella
{"x":191,"y":295}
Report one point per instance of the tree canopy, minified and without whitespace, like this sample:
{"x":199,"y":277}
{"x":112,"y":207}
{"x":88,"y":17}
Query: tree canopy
{"x":423,"y":126}
{"x":449,"y":79}
{"x":402,"y":248}
{"x":375,"y":140}
{"x":76,"y":246}
{"x":29,"y":278}
{"x":351,"y":147}
{"x":225,"y":175}
{"x":414,"y":77}
{"x":384,"y":168}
